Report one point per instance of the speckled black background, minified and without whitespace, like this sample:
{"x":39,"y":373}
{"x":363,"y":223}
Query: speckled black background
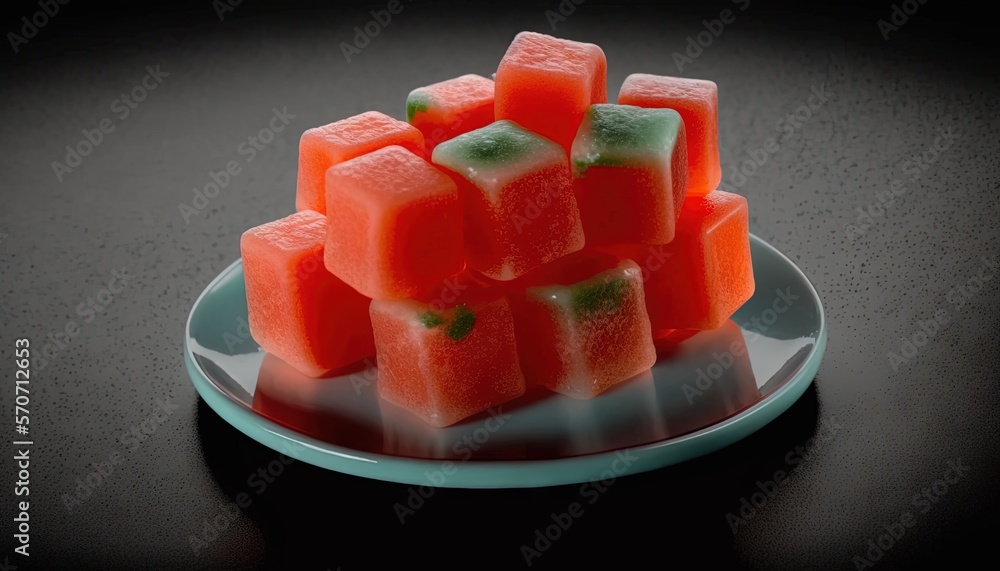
{"x":887,"y":102}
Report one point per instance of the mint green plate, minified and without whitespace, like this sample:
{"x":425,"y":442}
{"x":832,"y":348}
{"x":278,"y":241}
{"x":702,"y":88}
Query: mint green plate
{"x":705,"y":392}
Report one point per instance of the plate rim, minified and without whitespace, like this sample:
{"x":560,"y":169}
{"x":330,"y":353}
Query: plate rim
{"x":485,"y":474}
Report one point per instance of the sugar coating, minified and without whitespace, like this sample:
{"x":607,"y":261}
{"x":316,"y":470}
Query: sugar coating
{"x":328,"y":145}
{"x":449,"y":108}
{"x":697,"y":101}
{"x":540,"y":223}
{"x":388,"y":173}
{"x":272,"y":288}
{"x":630,"y":173}
{"x":718,"y":225}
{"x":519,"y":210}
{"x":616,"y":135}
{"x":359,"y":129}
{"x":394,"y":225}
{"x":553,"y":55}
{"x":296,"y":309}
{"x":659,"y":86}
{"x":450,"y":95}
{"x":464,"y":364}
{"x":546,"y":83}
{"x":493,"y":156}
{"x":519,"y":207}
{"x":706,"y":273}
{"x":497,"y":148}
{"x":602,"y":331}
{"x":302,"y":232}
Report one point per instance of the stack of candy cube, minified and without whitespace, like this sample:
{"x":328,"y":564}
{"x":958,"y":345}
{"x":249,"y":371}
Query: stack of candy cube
{"x":512,"y":233}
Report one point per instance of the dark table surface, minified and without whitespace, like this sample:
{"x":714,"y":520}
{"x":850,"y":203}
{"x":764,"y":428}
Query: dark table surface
{"x":919,"y":108}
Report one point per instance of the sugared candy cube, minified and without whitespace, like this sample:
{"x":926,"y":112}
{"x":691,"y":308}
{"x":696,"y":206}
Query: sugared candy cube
{"x":546,"y":84}
{"x":704,"y":275}
{"x":322,"y":147}
{"x":697,"y":101}
{"x":630,"y":174}
{"x":395,"y":224}
{"x":446,"y":365}
{"x":447,"y":109}
{"x":583,"y":338}
{"x":299,"y":311}
{"x":517,"y":198}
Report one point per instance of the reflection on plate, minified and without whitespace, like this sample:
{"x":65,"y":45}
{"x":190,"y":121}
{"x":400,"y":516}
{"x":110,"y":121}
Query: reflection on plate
{"x":707,"y":390}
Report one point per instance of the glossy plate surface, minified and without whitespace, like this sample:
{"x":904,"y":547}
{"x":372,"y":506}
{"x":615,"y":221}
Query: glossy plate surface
{"x":705,"y":392}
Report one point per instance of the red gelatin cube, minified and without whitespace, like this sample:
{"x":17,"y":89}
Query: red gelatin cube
{"x":322,"y":147}
{"x":546,"y":84}
{"x":446,"y":365}
{"x":299,"y":311}
{"x":705,"y":274}
{"x":519,"y":210}
{"x":697,"y":101}
{"x":582,"y":339}
{"x":395,"y":224}
{"x":630,"y":174}
{"x":447,"y":109}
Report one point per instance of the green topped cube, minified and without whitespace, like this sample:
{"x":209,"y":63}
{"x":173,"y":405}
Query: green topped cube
{"x":630,"y":173}
{"x":417,"y":102}
{"x":444,"y":110}
{"x":583,"y":338}
{"x":613,"y":135}
{"x":518,"y":206}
